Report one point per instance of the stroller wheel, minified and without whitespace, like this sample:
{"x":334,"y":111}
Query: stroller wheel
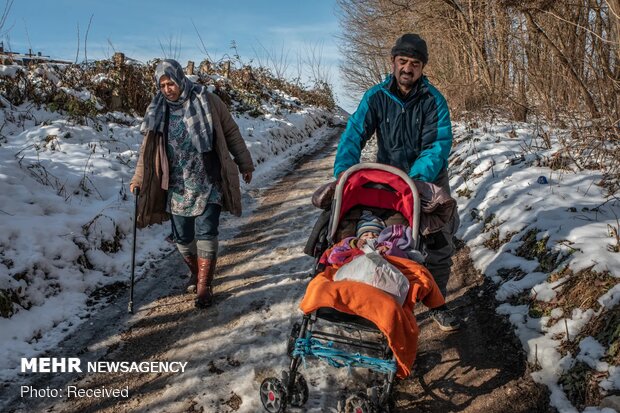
{"x":290,"y":346}
{"x":358,"y":404}
{"x":299,"y":393}
{"x":272,"y":395}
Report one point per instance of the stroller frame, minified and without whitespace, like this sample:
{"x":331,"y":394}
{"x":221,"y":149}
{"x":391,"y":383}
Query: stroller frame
{"x":338,"y":204}
{"x":307,"y":341}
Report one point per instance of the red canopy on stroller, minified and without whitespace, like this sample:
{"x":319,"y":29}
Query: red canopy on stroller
{"x":380,"y":186}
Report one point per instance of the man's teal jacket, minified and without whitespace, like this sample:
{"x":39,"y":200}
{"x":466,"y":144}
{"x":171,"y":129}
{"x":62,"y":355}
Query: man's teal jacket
{"x":413,"y":135}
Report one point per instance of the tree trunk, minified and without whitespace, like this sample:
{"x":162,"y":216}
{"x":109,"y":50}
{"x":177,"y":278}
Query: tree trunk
{"x":469,"y":33}
{"x":594,"y":112}
{"x":614,"y":18}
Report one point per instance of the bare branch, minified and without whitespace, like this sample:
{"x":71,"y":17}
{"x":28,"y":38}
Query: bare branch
{"x":86,"y":37}
{"x":4,"y":16}
{"x":204,"y":48}
{"x":27,"y":34}
{"x":77,"y":53}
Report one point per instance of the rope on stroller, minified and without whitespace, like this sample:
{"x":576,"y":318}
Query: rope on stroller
{"x":339,"y":358}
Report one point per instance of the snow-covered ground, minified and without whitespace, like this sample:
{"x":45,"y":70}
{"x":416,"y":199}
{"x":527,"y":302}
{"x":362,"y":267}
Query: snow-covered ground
{"x":66,"y":212}
{"x":503,"y":194}
{"x":65,"y":215}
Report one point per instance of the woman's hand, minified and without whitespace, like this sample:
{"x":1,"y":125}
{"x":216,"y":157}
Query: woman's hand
{"x":247,"y":177}
{"x":133,"y":187}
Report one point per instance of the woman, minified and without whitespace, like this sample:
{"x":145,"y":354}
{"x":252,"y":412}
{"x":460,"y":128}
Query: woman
{"x":185,"y":170}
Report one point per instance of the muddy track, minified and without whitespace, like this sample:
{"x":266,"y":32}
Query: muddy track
{"x":481,"y":368}
{"x":478,"y":369}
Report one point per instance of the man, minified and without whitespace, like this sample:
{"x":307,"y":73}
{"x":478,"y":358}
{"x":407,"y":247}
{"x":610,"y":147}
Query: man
{"x":185,"y":170}
{"x":412,"y":123}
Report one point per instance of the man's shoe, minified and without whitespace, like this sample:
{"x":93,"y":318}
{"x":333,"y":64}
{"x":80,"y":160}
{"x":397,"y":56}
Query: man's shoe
{"x":445,"y":319}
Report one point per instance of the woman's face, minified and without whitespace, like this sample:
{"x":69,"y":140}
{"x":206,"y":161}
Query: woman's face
{"x":170,"y":89}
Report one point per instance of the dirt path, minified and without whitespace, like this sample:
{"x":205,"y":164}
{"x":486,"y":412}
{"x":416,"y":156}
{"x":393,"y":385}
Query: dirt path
{"x":478,"y":369}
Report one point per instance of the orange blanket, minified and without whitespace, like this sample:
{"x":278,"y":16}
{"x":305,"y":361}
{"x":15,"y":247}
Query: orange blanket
{"x":397,"y":323}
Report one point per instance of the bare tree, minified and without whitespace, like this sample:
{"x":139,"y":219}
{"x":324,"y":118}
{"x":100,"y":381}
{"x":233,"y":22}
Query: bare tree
{"x":538,"y":55}
{"x":319,"y":73}
{"x":275,"y":60}
{"x":549,"y":59}
{"x":27,"y":34}
{"x":110,"y":46}
{"x":299,"y":68}
{"x":365,"y":44}
{"x":172,"y":50}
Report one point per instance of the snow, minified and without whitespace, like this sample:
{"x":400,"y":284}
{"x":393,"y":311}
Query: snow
{"x":613,"y":381}
{"x":546,"y":292}
{"x":590,"y":352}
{"x":65,"y":203}
{"x":611,"y":298}
{"x":513,"y":287}
{"x":10,"y":70}
{"x":500,"y":164}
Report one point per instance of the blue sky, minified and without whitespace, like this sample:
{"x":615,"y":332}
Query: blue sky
{"x":140,"y":28}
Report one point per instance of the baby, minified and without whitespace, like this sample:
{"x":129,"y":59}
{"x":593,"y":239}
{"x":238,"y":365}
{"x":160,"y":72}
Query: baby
{"x":372,"y":235}
{"x":368,"y":228}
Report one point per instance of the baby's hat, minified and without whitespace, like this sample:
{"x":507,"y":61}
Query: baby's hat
{"x":369,"y":223}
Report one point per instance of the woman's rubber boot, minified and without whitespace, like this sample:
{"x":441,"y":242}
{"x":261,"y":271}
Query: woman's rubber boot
{"x":192,"y":264}
{"x":206,"y":271}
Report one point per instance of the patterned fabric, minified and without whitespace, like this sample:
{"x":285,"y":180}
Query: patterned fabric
{"x":341,"y":253}
{"x":193,"y":99}
{"x":190,"y":188}
{"x":397,"y":239}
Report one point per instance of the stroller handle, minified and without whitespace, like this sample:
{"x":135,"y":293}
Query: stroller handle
{"x":337,"y":200}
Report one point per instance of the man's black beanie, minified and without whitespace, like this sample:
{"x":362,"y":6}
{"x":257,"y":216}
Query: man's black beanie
{"x":411,"y":45}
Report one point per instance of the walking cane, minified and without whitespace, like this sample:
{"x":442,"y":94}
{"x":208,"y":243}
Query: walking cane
{"x":136,"y":192}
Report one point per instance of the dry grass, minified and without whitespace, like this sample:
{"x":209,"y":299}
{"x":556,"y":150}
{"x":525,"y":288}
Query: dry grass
{"x":465,"y":193}
{"x":605,"y":328}
{"x":581,"y":385}
{"x":583,"y":289}
{"x":559,"y":161}
{"x":533,"y":248}
{"x":494,"y":242}
{"x":129,"y":88}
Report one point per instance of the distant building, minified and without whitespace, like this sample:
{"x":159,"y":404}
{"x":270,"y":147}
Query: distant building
{"x":8,"y":57}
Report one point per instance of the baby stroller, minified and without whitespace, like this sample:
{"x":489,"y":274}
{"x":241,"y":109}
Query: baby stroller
{"x":369,"y":185}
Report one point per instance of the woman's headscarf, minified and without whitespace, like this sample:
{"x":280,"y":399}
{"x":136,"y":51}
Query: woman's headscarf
{"x":193,"y":99}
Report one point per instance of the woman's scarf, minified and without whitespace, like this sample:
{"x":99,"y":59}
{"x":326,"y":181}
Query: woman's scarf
{"x":193,"y":99}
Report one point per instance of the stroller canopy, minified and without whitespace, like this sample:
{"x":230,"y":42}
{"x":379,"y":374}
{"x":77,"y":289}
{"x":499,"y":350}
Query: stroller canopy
{"x":379,"y":186}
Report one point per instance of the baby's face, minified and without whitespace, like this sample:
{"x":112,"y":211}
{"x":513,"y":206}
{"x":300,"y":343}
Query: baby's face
{"x":368,"y":235}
